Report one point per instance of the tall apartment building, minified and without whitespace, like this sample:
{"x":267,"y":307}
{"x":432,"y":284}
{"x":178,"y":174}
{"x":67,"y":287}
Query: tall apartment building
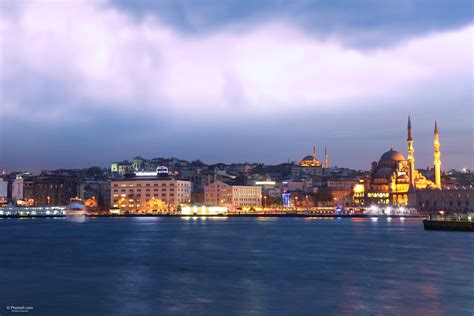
{"x":17,"y":188}
{"x":220,"y":193}
{"x":149,"y":193}
{"x":3,"y":191}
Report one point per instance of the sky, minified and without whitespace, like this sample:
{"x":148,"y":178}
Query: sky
{"x":86,"y":83}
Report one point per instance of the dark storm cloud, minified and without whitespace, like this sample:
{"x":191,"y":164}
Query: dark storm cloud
{"x":369,"y":23}
{"x":196,"y":87}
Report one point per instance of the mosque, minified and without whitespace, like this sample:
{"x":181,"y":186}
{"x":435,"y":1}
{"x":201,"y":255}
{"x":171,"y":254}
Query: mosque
{"x":312,"y":160}
{"x":394,"y":180}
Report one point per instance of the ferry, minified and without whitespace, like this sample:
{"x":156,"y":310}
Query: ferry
{"x":76,"y":209}
{"x":25,"y":211}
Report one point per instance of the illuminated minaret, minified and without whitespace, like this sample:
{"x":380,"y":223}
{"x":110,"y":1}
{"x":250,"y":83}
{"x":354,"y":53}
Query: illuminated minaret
{"x":326,"y":159}
{"x":314,"y":153}
{"x":411,"y":155}
{"x":437,"y":157}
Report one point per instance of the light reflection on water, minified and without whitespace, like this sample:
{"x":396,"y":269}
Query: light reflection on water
{"x":235,"y":266}
{"x":76,"y":219}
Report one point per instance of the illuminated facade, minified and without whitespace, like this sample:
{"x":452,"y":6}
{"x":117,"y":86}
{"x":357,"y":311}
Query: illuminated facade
{"x":121,"y":167}
{"x":310,"y":161}
{"x":326,"y":158}
{"x":148,"y":194}
{"x":233,"y":196}
{"x":203,"y":210}
{"x":310,"y":165}
{"x":393,"y":180}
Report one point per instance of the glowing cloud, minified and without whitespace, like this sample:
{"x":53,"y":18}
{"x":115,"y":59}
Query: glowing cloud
{"x":96,"y":54}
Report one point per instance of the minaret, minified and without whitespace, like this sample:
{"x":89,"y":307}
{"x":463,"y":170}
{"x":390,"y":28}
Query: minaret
{"x":437,"y":157}
{"x":326,"y":159}
{"x":314,"y":153}
{"x":411,"y":156}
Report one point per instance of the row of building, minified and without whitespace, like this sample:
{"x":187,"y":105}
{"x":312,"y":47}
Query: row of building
{"x":166,"y":184}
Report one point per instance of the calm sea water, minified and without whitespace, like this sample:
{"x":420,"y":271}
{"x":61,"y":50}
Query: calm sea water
{"x":234,"y":266}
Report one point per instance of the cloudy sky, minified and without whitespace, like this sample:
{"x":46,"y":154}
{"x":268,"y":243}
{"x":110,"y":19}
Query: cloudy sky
{"x":90,"y":82}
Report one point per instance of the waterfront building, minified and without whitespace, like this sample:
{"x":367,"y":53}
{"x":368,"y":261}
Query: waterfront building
{"x":269,"y":187}
{"x":95,"y":193}
{"x":456,"y":200}
{"x":292,"y":185}
{"x":393,"y":180}
{"x":234,"y":196}
{"x":147,"y":193}
{"x":3,"y":191}
{"x":334,"y":196}
{"x":54,"y":189}
{"x":28,"y":190}
{"x":17,"y":188}
{"x":197,"y":196}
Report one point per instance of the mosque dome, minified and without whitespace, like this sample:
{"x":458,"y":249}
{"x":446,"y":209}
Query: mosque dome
{"x":383,"y":172}
{"x":392,"y":156}
{"x":310,"y":160}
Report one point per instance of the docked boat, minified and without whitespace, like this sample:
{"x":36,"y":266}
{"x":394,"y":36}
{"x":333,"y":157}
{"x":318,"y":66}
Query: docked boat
{"x":453,"y":222}
{"x":76,"y":209}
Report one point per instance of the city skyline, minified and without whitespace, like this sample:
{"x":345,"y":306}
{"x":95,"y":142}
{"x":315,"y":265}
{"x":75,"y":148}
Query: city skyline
{"x":233,"y":83}
{"x":322,"y":155}
{"x":213,"y":157}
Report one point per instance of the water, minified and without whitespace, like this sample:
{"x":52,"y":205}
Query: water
{"x":234,"y":266}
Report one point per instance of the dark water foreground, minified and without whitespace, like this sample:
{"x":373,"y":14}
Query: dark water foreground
{"x":234,"y":266}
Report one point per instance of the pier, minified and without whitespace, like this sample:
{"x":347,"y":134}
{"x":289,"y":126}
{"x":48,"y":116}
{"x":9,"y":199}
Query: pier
{"x":450,"y":223}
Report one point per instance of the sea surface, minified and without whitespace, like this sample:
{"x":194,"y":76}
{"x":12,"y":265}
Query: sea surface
{"x":233,"y":266}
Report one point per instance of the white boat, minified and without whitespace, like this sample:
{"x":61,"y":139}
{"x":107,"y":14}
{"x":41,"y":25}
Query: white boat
{"x":76,"y":209}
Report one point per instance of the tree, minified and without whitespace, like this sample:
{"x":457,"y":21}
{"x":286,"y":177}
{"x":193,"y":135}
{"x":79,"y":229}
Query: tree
{"x":94,"y":173}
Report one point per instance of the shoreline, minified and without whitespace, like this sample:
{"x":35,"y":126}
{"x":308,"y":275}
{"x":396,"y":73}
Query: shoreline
{"x":223,"y":216}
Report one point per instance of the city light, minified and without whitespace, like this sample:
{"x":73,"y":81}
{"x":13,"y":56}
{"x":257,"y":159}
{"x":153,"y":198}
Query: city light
{"x":265,"y":183}
{"x":358,"y":188}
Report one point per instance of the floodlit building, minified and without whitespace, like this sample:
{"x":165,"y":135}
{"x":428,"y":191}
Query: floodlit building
{"x":121,"y":168}
{"x":310,"y":161}
{"x":310,"y":165}
{"x":203,"y":210}
{"x":97,"y":192}
{"x":393,"y":180}
{"x":148,"y":193}
{"x":233,"y":196}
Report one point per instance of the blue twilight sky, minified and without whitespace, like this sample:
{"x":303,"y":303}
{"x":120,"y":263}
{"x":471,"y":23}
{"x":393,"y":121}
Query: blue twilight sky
{"x":90,"y":82}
